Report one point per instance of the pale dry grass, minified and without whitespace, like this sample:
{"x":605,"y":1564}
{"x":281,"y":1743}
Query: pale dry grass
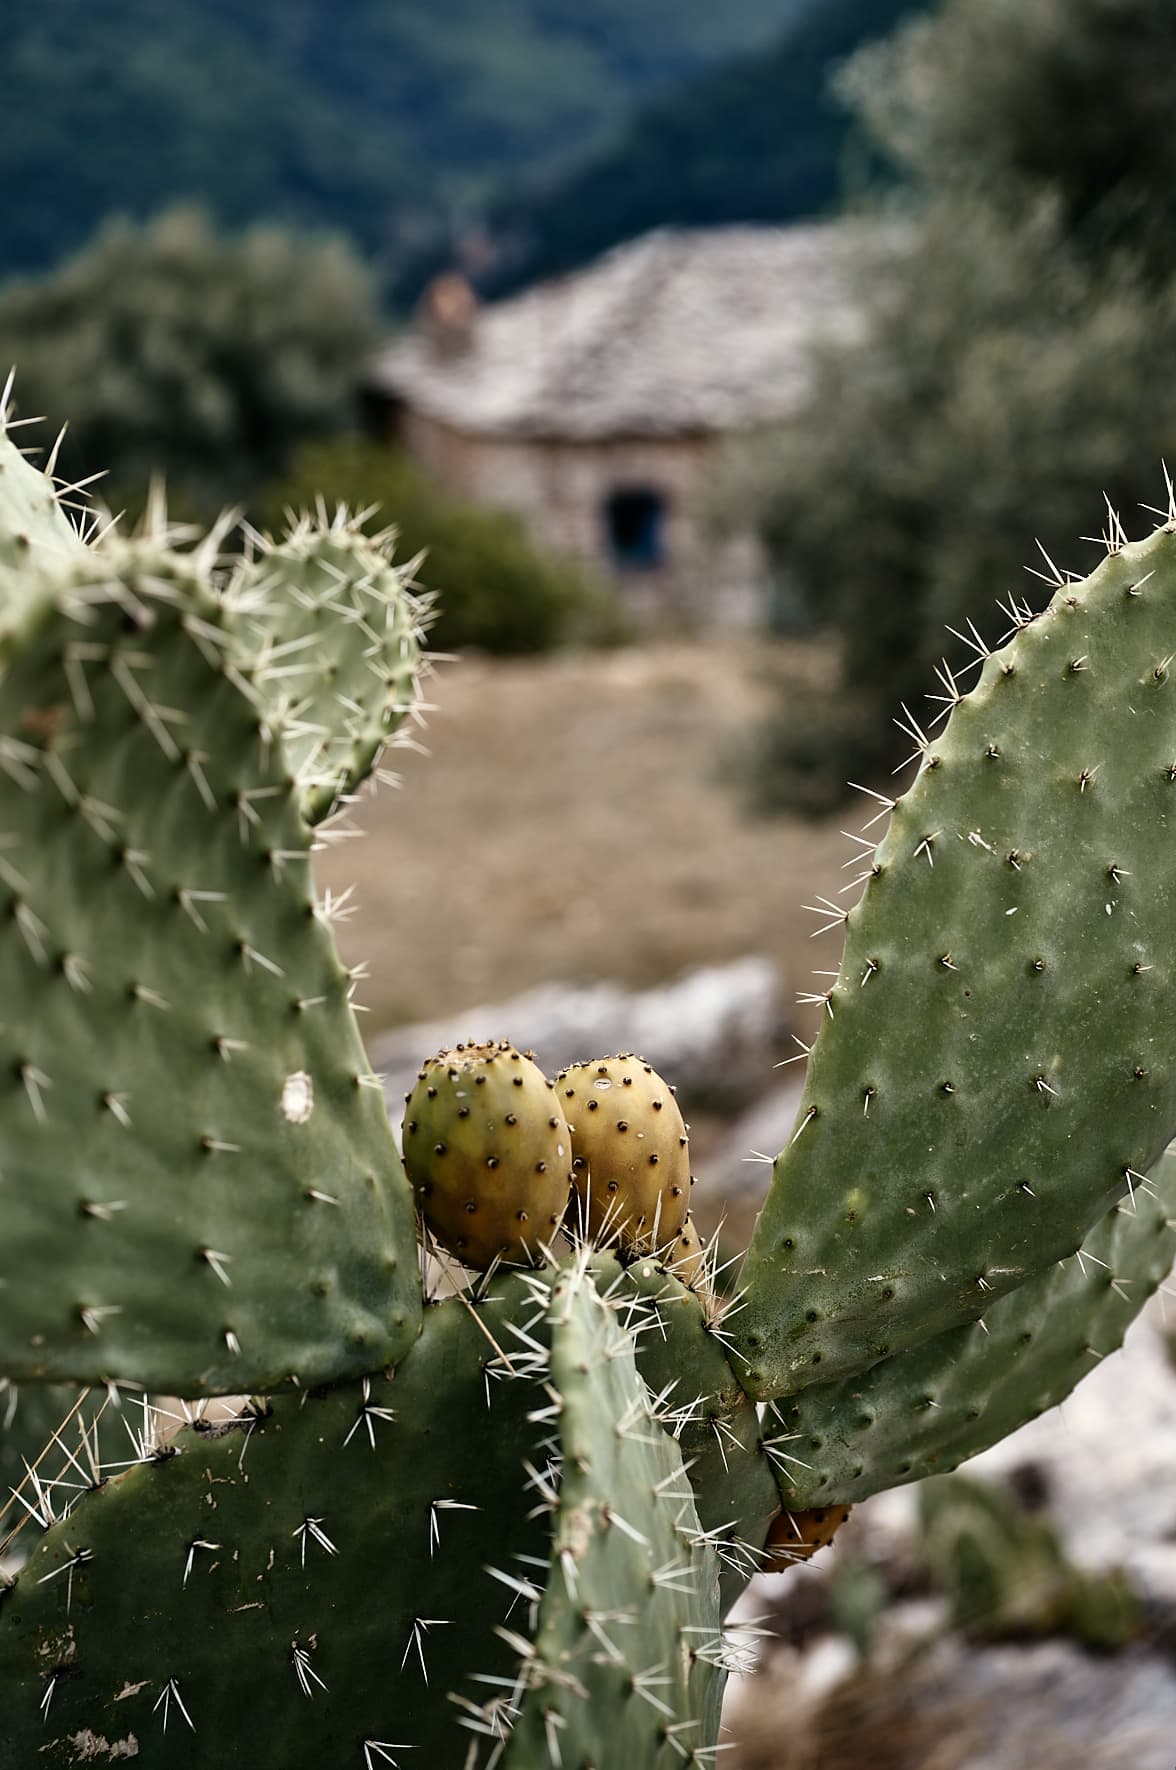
{"x":571,"y":822}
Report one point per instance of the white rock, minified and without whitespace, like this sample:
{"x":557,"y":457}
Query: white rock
{"x":695,"y":1031}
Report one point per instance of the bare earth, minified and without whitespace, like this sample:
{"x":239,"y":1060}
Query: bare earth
{"x":571,"y":821}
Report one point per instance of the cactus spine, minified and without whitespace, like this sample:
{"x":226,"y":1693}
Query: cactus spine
{"x":502,"y":1526}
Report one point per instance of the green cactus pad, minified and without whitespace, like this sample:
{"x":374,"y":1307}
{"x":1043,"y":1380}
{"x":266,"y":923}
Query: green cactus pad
{"x":199,"y":1190}
{"x":701,"y":1403}
{"x":31,"y":1417}
{"x":926,"y":1410}
{"x":999,"y":1062}
{"x":36,"y":539}
{"x":329,"y":632}
{"x":488,"y":1152}
{"x":626,"y":1666}
{"x":303,"y":1587}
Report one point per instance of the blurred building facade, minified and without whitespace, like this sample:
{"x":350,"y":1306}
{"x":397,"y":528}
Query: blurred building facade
{"x":596,"y":405}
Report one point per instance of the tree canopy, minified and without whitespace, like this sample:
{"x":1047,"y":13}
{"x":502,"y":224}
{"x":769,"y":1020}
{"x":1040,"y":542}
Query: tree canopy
{"x":174,"y":348}
{"x":1010,"y":372}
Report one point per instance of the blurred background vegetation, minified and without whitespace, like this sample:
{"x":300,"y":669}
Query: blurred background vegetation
{"x":211,"y":216}
{"x":389,"y":121}
{"x":1017,"y":311}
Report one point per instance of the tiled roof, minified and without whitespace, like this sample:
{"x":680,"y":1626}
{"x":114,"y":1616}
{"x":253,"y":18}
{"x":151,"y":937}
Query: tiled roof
{"x":675,"y":333}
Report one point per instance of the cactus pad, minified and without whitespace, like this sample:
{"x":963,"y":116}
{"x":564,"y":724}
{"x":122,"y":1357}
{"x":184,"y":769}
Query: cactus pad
{"x":36,"y":539}
{"x":998,"y":1061}
{"x":307,"y":1583}
{"x":329,"y":633}
{"x":925,"y":1410}
{"x":200,"y":1190}
{"x":626,"y":1665}
{"x":631,"y":1161}
{"x":488,"y":1152}
{"x":700,"y":1402}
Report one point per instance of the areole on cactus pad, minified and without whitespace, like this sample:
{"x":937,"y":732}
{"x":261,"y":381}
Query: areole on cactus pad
{"x":500,"y":1521}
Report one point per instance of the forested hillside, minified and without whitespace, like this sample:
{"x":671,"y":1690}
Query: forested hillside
{"x":389,"y":119}
{"x":761,"y":138}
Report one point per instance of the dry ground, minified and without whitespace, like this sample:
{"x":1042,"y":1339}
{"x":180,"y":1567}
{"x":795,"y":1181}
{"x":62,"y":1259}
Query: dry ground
{"x":571,"y":822}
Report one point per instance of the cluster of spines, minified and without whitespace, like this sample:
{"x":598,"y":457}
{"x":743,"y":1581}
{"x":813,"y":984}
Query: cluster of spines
{"x":335,"y":714}
{"x":512,"y":1343}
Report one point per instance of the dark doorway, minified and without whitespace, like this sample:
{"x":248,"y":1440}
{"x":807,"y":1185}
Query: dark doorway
{"x":635,"y":526}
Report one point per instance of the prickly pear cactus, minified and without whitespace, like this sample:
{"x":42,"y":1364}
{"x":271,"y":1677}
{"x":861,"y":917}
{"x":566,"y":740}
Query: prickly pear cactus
{"x":929,"y":1408}
{"x":502,"y":1526}
{"x":622,"y":1664}
{"x":36,"y":538}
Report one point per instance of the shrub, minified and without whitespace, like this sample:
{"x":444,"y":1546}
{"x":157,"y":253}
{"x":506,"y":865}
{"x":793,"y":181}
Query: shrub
{"x":495,"y":590}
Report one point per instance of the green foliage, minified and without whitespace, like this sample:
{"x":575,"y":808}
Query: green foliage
{"x":1005,"y":375}
{"x":759,"y":139}
{"x":172,"y":348}
{"x":494,"y":589}
{"x":1006,"y":1576}
{"x":275,"y":111}
{"x":1067,"y":99}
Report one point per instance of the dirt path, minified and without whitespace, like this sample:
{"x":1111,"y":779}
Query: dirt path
{"x":571,"y":822}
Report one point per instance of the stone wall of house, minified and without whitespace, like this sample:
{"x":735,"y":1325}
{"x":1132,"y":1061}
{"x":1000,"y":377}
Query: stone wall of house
{"x":561,"y":489}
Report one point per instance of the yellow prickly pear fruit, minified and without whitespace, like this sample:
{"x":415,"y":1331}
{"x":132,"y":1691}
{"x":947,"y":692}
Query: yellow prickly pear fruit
{"x":488,"y":1152}
{"x":686,"y":1259}
{"x":630,"y":1158}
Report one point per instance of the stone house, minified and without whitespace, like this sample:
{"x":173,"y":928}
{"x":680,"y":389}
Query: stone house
{"x":596,"y":404}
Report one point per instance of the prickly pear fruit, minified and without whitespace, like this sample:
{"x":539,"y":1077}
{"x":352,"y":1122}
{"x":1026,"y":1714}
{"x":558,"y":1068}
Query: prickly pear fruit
{"x":488,"y":1152}
{"x":797,"y":1536}
{"x":630,"y":1160}
{"x":686,"y":1258}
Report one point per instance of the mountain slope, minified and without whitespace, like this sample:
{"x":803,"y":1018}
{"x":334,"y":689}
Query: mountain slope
{"x":761,"y":138}
{"x":385,"y":117}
